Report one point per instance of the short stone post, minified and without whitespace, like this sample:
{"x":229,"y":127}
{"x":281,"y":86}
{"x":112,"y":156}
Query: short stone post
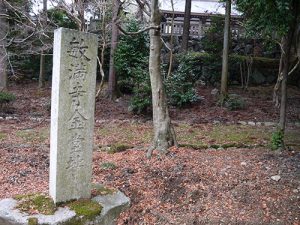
{"x":72,"y":114}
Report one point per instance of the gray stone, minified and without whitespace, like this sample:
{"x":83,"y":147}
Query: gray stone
{"x":72,"y":114}
{"x":258,"y":123}
{"x":214,"y":91}
{"x":242,"y":122}
{"x":112,"y":204}
{"x":216,"y":122}
{"x":269,"y":124}
{"x":251,"y":123}
{"x":243,"y":164}
{"x":276,"y":178}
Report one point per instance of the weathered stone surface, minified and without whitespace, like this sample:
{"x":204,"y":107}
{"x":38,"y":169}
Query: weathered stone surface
{"x":242,"y":122}
{"x":11,"y":216}
{"x":113,"y":205}
{"x":269,"y":124}
{"x":251,"y":123}
{"x":72,"y":114}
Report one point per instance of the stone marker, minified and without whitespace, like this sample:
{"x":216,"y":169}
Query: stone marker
{"x":72,"y":114}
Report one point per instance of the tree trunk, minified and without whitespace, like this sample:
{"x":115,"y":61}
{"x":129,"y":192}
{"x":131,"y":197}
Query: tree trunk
{"x":112,"y":77}
{"x":285,"y":70}
{"x":286,"y":55}
{"x":186,"y":25}
{"x":3,"y":53}
{"x":42,"y":56}
{"x":164,"y":136}
{"x":224,"y":78}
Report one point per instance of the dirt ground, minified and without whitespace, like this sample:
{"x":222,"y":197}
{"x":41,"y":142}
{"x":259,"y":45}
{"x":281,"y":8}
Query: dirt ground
{"x":191,"y":185}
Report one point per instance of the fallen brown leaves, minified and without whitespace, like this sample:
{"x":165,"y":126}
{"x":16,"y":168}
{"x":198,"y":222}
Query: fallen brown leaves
{"x":225,"y":186}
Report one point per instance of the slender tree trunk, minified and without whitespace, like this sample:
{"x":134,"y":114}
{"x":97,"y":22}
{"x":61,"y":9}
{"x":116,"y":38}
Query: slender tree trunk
{"x":286,"y":56}
{"x":282,"y":120}
{"x":112,"y":77}
{"x":42,"y":56}
{"x":164,"y":136}
{"x":186,"y":25}
{"x":3,"y":53}
{"x":224,"y":78}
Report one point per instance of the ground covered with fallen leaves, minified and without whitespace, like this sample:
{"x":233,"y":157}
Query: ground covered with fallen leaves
{"x":223,"y":172}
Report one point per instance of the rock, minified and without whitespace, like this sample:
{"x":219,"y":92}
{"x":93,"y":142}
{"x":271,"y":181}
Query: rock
{"x":214,"y":91}
{"x":216,"y":122}
{"x":11,"y":216}
{"x":243,"y":164}
{"x":276,"y":177}
{"x":269,"y":124}
{"x":295,"y":191}
{"x":113,"y":204}
{"x":251,"y":123}
{"x":1,"y":118}
{"x":258,"y":123}
{"x":242,"y":122}
{"x":9,"y":118}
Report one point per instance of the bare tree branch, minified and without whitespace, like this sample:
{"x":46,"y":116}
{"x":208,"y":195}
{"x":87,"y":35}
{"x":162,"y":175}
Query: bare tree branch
{"x":138,"y":32}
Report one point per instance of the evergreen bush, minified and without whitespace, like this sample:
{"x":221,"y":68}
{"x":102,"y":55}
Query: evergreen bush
{"x":6,"y":98}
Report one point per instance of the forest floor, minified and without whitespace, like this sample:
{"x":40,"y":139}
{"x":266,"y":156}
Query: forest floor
{"x":222,"y":173}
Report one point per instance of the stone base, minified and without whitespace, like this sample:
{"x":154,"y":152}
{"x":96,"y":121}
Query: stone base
{"x":113,"y":205}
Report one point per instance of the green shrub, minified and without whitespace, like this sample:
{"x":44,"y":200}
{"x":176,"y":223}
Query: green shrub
{"x":235,"y":102}
{"x":6,"y":97}
{"x":5,"y":100}
{"x":199,"y":66}
{"x":130,"y":57}
{"x":277,"y":139}
{"x":180,"y":85}
{"x":131,"y":60}
{"x":180,"y":92}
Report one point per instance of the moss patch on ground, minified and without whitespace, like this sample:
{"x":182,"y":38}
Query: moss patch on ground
{"x":34,"y":135}
{"x":108,"y":166}
{"x":2,"y":135}
{"x":35,"y":203}
{"x":129,"y":134}
{"x":225,"y":136}
{"x":115,"y":148}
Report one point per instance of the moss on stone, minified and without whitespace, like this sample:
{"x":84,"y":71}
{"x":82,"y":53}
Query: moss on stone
{"x":33,"y":203}
{"x":85,"y":208}
{"x":194,"y":146}
{"x":99,"y":189}
{"x":214,"y":146}
{"x":33,"y":221}
{"x":115,"y":148}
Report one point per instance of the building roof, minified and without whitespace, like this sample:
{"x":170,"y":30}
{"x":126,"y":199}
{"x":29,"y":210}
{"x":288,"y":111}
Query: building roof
{"x":198,"y":6}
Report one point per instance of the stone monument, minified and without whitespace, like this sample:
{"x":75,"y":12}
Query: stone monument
{"x":71,"y":141}
{"x":72,"y":114}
